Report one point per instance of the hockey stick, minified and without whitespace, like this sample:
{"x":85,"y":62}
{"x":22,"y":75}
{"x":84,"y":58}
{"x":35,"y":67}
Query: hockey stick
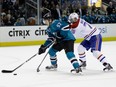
{"x":44,"y":57}
{"x":10,"y":71}
{"x":41,"y":62}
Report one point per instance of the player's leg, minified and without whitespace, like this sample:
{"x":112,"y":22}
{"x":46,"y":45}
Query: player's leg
{"x":102,"y":59}
{"x":96,"y":42}
{"x":84,"y":45}
{"x":69,"y":50}
{"x":53,"y":57}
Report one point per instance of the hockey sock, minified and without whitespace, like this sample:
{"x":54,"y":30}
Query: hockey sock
{"x":99,"y":56}
{"x":82,"y":57}
{"x":53,"y":60}
{"x":81,"y":53}
{"x":73,"y":60}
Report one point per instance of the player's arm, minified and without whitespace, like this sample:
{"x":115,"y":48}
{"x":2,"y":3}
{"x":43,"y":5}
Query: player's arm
{"x":72,"y":25}
{"x":47,"y":43}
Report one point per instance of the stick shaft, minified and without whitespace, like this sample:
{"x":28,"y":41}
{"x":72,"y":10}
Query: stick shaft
{"x":42,"y":60}
{"x":10,"y":71}
{"x":44,"y":57}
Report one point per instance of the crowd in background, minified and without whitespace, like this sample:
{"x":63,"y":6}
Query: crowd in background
{"x":14,"y":13}
{"x":91,"y":14}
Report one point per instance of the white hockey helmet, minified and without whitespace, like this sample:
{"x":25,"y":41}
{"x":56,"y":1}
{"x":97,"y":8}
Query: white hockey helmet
{"x":73,"y":17}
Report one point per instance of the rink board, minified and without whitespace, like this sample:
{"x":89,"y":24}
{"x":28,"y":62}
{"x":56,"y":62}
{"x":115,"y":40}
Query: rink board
{"x":36,"y":35}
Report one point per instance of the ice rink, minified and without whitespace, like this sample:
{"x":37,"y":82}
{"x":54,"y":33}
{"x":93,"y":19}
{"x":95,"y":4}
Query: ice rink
{"x":93,"y":76}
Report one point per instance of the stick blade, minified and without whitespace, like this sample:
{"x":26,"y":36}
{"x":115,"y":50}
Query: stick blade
{"x":38,"y":70}
{"x":7,"y":71}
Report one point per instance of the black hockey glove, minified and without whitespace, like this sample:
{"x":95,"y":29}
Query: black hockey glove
{"x":42,"y":49}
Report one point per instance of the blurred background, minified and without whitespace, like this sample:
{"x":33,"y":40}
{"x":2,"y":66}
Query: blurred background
{"x":32,"y":12}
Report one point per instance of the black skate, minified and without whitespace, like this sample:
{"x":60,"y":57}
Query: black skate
{"x":78,"y":70}
{"x":52,"y":67}
{"x":83,"y":64}
{"x":108,"y":67}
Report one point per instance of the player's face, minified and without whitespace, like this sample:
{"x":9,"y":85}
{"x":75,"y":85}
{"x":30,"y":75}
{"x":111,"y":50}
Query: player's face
{"x":73,"y":17}
{"x":47,"y":21}
{"x":72,"y":20}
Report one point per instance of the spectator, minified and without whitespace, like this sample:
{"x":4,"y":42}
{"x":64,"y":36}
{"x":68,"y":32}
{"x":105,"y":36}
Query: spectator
{"x":56,"y":13}
{"x":78,"y":10}
{"x":22,"y":19}
{"x":94,"y":7}
{"x":104,"y":19}
{"x":113,"y":16}
{"x":13,"y":1}
{"x":18,"y":22}
{"x":31,"y":21}
{"x":93,"y":18}
{"x":110,"y":8}
{"x":87,"y":17}
{"x":84,"y":9}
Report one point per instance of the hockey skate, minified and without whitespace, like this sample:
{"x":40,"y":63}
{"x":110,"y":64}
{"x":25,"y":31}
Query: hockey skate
{"x":51,"y":67}
{"x":78,"y":70}
{"x":83,"y":64}
{"x":108,"y":67}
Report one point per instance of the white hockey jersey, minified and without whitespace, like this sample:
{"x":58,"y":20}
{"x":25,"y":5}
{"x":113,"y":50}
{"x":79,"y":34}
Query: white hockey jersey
{"x":83,"y":29}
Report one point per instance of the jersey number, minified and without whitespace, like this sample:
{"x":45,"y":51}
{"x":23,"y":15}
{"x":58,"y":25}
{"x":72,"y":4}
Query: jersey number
{"x":59,"y":25}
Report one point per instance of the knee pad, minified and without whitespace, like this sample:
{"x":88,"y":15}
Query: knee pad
{"x":81,"y":49}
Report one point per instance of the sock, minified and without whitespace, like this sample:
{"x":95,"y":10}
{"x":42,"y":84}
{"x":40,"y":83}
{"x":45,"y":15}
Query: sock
{"x":82,"y":57}
{"x":99,"y":56}
{"x":53,"y":60}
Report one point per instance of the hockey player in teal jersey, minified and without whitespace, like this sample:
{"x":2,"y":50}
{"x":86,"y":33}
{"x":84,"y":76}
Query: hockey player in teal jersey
{"x":63,"y":39}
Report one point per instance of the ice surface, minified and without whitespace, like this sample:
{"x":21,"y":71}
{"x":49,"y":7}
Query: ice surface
{"x":93,"y":76}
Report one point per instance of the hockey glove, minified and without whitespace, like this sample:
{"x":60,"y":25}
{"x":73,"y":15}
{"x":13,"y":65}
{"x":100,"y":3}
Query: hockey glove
{"x":42,"y":49}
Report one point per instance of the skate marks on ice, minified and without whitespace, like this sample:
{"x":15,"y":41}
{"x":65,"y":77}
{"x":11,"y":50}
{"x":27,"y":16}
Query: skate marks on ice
{"x":63,"y":77}
{"x":85,"y":72}
{"x":93,"y":72}
{"x":28,"y":77}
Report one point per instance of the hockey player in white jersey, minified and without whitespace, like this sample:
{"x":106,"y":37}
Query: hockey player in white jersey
{"x":92,"y":40}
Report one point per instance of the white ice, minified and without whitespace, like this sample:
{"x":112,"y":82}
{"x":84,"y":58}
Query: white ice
{"x":93,"y":76}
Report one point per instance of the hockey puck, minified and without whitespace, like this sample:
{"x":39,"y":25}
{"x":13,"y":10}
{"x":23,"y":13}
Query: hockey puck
{"x":15,"y":74}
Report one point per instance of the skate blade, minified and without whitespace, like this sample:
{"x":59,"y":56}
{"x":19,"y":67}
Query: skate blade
{"x":83,"y":68}
{"x":107,"y":70}
{"x":51,"y":69}
{"x":75,"y":73}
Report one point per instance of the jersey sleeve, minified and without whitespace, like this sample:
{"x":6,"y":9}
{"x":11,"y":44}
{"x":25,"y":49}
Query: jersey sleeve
{"x":50,"y":38}
{"x":71,"y":25}
{"x":49,"y":41}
